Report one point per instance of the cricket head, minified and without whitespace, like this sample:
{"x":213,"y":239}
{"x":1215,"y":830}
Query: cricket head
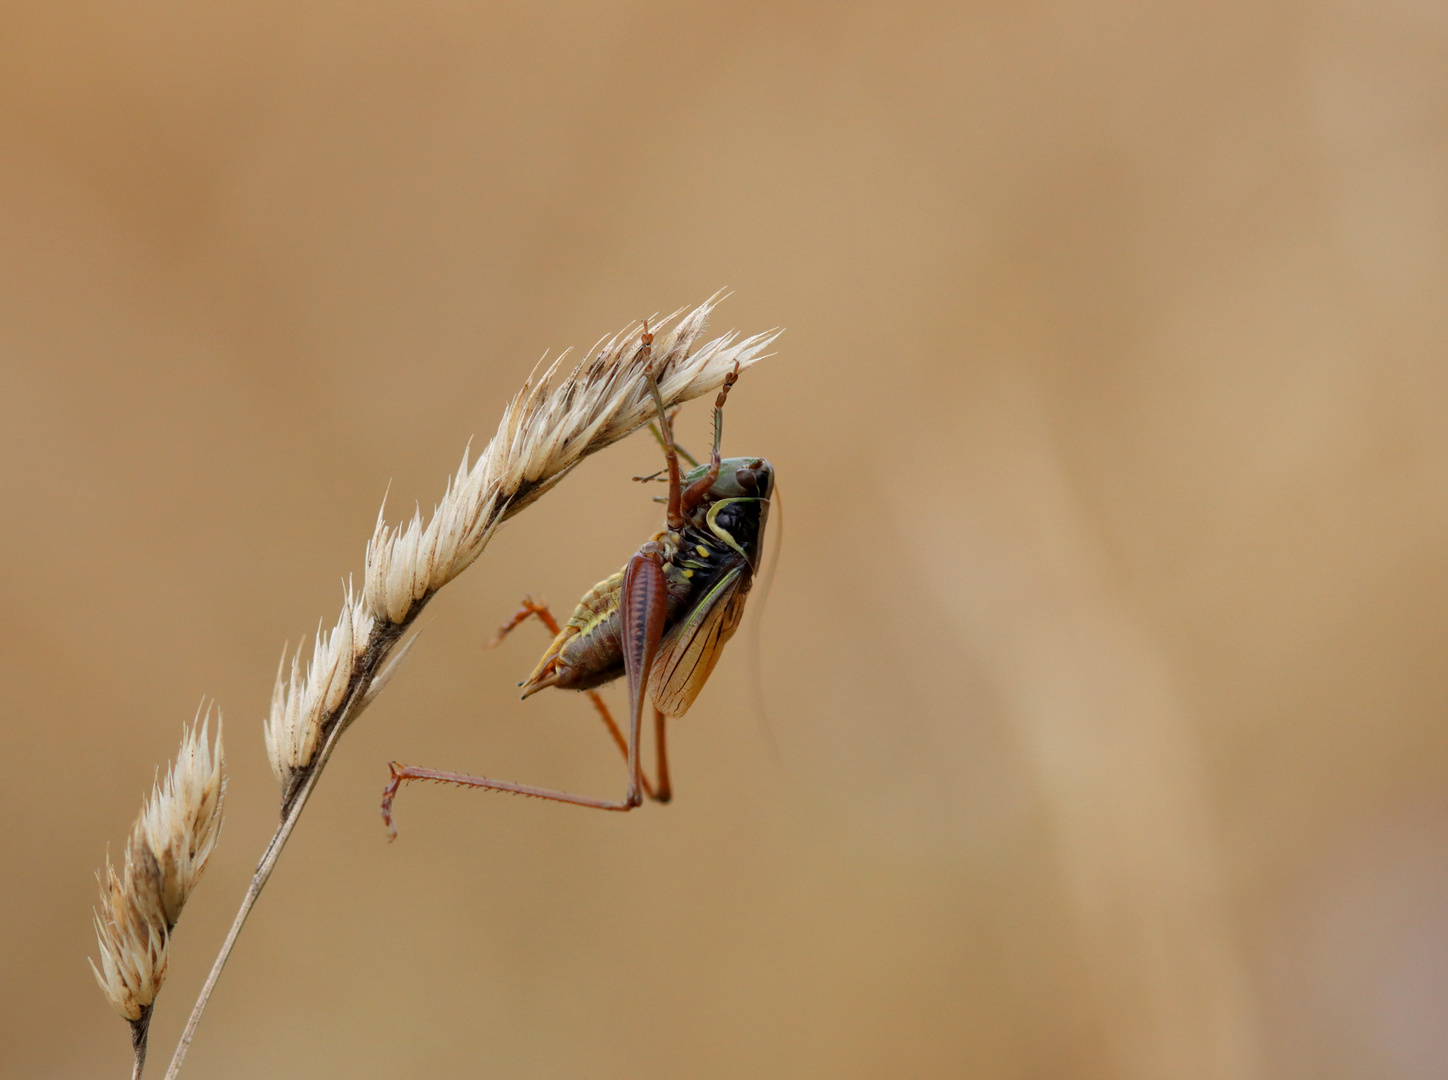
{"x":739,"y":478}
{"x":738,"y":504}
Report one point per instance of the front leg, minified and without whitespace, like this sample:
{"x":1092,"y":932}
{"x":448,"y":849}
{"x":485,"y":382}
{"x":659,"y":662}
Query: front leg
{"x":671,"y":456}
{"x":698,"y":491}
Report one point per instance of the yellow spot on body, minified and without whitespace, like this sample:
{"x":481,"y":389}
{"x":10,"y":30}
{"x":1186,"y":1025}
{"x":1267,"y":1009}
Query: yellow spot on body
{"x":701,"y":551}
{"x":688,"y":573}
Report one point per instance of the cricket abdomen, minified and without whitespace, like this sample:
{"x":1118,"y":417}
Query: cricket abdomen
{"x":588,"y":651}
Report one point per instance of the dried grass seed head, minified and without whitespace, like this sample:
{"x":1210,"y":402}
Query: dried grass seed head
{"x":165,"y":855}
{"x":546,"y":430}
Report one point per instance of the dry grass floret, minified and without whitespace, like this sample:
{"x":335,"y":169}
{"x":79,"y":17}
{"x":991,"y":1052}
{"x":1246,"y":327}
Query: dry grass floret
{"x":165,"y":856}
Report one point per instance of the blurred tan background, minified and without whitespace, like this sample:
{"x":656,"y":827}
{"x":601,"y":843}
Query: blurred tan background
{"x":1105,"y":660}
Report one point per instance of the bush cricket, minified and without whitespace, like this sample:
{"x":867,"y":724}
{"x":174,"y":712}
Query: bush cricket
{"x":661,"y":622}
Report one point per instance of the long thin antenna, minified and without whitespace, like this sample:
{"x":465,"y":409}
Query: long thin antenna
{"x":756,"y":651}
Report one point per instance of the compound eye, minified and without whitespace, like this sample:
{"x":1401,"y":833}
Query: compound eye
{"x":746,"y":478}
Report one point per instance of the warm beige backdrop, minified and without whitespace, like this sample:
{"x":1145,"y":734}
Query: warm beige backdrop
{"x":1106,"y":656}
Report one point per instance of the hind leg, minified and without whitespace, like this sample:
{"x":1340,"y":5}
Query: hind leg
{"x":531,"y":608}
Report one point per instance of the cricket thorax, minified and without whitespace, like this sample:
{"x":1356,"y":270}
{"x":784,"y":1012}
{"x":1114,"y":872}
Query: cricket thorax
{"x":701,"y":558}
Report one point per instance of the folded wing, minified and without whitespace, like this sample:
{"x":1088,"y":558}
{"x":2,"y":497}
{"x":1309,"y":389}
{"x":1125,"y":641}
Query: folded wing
{"x":692,"y":646}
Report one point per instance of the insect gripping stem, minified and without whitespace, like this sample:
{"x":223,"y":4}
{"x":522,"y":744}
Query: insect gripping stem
{"x":662,"y":621}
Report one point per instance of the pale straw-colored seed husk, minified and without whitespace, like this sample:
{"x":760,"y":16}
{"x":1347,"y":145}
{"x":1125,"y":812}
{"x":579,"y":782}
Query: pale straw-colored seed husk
{"x":300,"y":703}
{"x":165,"y":855}
{"x":546,"y":430}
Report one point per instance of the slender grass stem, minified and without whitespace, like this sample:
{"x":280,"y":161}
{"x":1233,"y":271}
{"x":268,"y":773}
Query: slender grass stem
{"x":258,"y":882}
{"x":377,"y":652}
{"x":140,"y":1036}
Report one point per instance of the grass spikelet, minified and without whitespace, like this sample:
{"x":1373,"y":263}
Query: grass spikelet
{"x":165,"y":855}
{"x":301,"y":704}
